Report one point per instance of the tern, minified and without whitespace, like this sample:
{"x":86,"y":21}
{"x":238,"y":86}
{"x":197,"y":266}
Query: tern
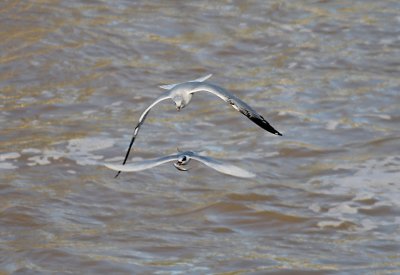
{"x":181,"y":160}
{"x":181,"y":94}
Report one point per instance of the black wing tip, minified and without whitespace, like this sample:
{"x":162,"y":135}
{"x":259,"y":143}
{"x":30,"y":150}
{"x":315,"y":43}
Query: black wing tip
{"x":272,"y":130}
{"x":260,"y":121}
{"x":277,"y":132}
{"x":119,"y":172}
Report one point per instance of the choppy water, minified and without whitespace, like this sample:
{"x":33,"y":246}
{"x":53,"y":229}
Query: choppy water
{"x":76,"y":75}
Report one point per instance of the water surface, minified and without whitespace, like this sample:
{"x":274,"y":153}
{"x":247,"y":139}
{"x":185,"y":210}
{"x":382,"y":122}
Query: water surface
{"x":76,"y":75}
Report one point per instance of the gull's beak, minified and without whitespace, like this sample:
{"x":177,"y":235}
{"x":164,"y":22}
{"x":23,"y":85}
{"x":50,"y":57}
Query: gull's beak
{"x":181,"y":168}
{"x":178,"y":165}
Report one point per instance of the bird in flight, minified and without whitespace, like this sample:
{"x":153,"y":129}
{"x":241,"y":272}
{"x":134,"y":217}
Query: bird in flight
{"x":180,"y":161}
{"x":181,"y":94}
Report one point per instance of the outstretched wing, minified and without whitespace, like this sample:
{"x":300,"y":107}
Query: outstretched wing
{"x":170,"y":86}
{"x":237,"y":104}
{"x":141,"y":121}
{"x":224,"y":167}
{"x":140,"y":165}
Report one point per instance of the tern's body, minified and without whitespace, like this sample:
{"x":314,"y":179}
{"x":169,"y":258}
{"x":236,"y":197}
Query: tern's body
{"x":182,"y":93}
{"x":182,"y":159}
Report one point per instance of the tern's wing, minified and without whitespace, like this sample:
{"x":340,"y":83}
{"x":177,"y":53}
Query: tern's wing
{"x":237,"y":104}
{"x":224,"y":167}
{"x":140,"y":165}
{"x":170,"y":86}
{"x":141,"y":121}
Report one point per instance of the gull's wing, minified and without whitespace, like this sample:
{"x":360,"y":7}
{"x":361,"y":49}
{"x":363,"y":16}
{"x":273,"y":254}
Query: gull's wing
{"x":224,"y":167}
{"x":140,"y":165}
{"x":237,"y":104}
{"x":170,"y":86}
{"x":141,"y":120}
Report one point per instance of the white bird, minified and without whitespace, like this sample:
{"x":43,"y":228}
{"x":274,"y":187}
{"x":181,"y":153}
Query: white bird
{"x":181,"y":94}
{"x":182,"y":159}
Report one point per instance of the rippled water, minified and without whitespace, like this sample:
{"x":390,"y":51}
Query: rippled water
{"x":76,"y":75}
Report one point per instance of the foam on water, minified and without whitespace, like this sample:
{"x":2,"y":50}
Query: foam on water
{"x":373,"y":186}
{"x":81,"y":151}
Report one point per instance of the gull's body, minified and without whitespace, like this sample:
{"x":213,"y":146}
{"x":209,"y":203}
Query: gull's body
{"x":182,"y":93}
{"x":181,"y":159}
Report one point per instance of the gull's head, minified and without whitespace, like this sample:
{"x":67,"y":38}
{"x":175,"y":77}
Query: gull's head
{"x":183,"y":160}
{"x":181,"y":95}
{"x":179,"y":102}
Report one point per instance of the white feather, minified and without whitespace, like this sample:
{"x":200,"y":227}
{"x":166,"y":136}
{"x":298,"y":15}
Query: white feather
{"x":200,"y":79}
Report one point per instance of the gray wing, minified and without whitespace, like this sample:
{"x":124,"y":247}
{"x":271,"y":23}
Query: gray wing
{"x":141,"y":121}
{"x":141,"y":165}
{"x":224,"y":167}
{"x":200,"y":79}
{"x":237,"y":104}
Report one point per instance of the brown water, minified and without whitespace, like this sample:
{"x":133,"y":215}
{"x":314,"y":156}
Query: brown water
{"x":76,"y":75}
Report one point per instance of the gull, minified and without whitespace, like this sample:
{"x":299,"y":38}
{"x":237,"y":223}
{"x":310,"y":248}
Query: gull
{"x":181,"y":160}
{"x":181,"y":94}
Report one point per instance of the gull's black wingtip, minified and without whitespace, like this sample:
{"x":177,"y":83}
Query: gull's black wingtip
{"x":119,"y":172}
{"x":277,"y":133}
{"x":271,"y":129}
{"x":260,"y":121}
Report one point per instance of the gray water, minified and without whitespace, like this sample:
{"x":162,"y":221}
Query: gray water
{"x":76,"y":75}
